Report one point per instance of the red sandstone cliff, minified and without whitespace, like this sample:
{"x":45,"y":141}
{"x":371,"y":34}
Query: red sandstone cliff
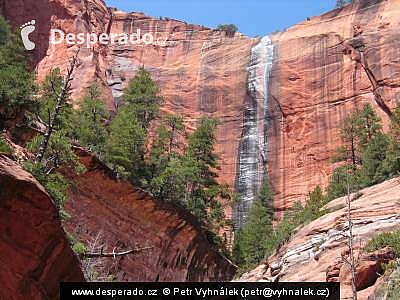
{"x":317,"y":84}
{"x":35,"y":255}
{"x":314,"y":78}
{"x":314,"y":252}
{"x":110,"y":214}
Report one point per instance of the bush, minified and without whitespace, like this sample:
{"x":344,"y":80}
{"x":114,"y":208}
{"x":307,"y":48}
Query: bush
{"x":390,"y":290}
{"x":90,"y":117}
{"x":385,"y":239}
{"x":55,"y":184}
{"x":298,"y":216}
{"x":257,"y":240}
{"x":79,"y":248}
{"x":4,"y":147}
{"x":17,"y":81}
{"x":230,"y":29}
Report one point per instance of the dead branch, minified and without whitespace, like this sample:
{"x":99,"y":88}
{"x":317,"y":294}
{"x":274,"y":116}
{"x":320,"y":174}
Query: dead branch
{"x":62,"y":97}
{"x":350,"y":261}
{"x":115,"y":254}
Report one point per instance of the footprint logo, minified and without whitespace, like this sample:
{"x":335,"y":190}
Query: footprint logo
{"x":27,"y":29}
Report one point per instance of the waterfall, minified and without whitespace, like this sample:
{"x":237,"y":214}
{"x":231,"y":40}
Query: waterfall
{"x":253,"y":149}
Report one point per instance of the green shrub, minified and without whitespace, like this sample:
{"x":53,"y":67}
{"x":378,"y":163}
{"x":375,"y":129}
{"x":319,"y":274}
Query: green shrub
{"x":394,"y":286}
{"x":385,"y":239}
{"x":4,"y":147}
{"x":257,"y":240}
{"x":17,"y":81}
{"x":229,"y":29}
{"x":389,"y":290}
{"x":54,"y":183}
{"x":79,"y":248}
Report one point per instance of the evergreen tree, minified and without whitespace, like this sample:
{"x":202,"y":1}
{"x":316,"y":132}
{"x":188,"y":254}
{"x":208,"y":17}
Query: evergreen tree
{"x":338,"y":181}
{"x":391,"y":164}
{"x":166,"y":144}
{"x":349,"y":152}
{"x":251,"y":242}
{"x":229,"y":29}
{"x":53,"y":149}
{"x":361,"y":134}
{"x":238,"y":255}
{"x":59,"y":154}
{"x":90,"y":118}
{"x":176,"y":128}
{"x":125,"y":145}
{"x":17,"y":81}
{"x":188,"y":177}
{"x":50,"y":88}
{"x":368,"y":125}
{"x":128,"y":130}
{"x":341,"y":3}
{"x":255,"y":234}
{"x":159,"y":151}
{"x":395,"y":125}
{"x":201,"y":159}
{"x":374,"y":170}
{"x":142,"y":94}
{"x":265,"y":195}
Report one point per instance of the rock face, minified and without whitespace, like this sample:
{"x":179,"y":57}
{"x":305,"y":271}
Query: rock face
{"x":314,"y":252}
{"x":200,"y":71}
{"x":283,"y":113}
{"x":35,"y":255}
{"x":110,"y":214}
{"x":316,"y":82}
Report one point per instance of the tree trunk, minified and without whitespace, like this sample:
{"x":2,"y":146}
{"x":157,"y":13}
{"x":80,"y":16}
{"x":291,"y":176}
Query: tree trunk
{"x":62,"y":97}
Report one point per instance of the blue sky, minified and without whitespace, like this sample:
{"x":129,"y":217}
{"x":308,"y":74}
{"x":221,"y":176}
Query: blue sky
{"x":253,"y":17}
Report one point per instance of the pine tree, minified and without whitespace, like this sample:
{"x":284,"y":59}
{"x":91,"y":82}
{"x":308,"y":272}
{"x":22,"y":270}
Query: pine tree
{"x":395,"y":125}
{"x":142,"y":94}
{"x":349,"y":152}
{"x":252,"y":241}
{"x":201,"y":159}
{"x":187,"y":177}
{"x":250,"y":245}
{"x":176,"y":129}
{"x":171,"y":185}
{"x":125,"y":145}
{"x":374,"y":156}
{"x":341,"y":3}
{"x":17,"y":81}
{"x":368,"y":125}
{"x":53,"y":150}
{"x":55,"y":112}
{"x":166,"y":144}
{"x":50,"y":88}
{"x":362,"y":136}
{"x":90,"y":129}
{"x":128,"y":130}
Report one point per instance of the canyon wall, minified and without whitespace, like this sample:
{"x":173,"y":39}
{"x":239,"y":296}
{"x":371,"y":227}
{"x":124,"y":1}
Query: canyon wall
{"x":313,"y":83}
{"x":316,"y":82}
{"x":35,"y":255}
{"x":200,"y":71}
{"x":111,"y":215}
{"x":314,"y":252}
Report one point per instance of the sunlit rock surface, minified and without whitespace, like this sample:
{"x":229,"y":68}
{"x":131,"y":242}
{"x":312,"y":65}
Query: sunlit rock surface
{"x":35,"y":255}
{"x":314,"y":81}
{"x":113,"y":215}
{"x":315,"y":248}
